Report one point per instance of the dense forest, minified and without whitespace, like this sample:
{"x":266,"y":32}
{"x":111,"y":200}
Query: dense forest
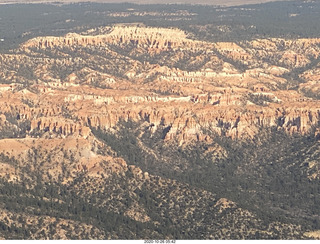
{"x":288,"y":19}
{"x":267,"y":175}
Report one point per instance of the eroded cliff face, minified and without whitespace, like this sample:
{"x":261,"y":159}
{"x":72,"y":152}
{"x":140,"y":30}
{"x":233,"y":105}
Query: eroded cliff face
{"x":151,"y":38}
{"x":59,"y":88}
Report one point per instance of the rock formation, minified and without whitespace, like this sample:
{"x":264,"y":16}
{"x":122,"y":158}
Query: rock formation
{"x":235,"y":89}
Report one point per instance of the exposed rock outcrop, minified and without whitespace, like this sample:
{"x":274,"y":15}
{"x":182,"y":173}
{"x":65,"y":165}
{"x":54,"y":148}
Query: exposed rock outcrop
{"x":152,"y":38}
{"x":235,"y":89}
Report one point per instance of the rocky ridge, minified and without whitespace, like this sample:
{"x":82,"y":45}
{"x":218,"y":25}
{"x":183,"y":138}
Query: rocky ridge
{"x":61,"y":96}
{"x":196,"y":100}
{"x":61,"y":87}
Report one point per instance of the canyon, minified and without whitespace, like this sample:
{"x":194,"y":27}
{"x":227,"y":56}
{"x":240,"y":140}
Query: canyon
{"x":99,"y":91}
{"x":63,"y":97}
